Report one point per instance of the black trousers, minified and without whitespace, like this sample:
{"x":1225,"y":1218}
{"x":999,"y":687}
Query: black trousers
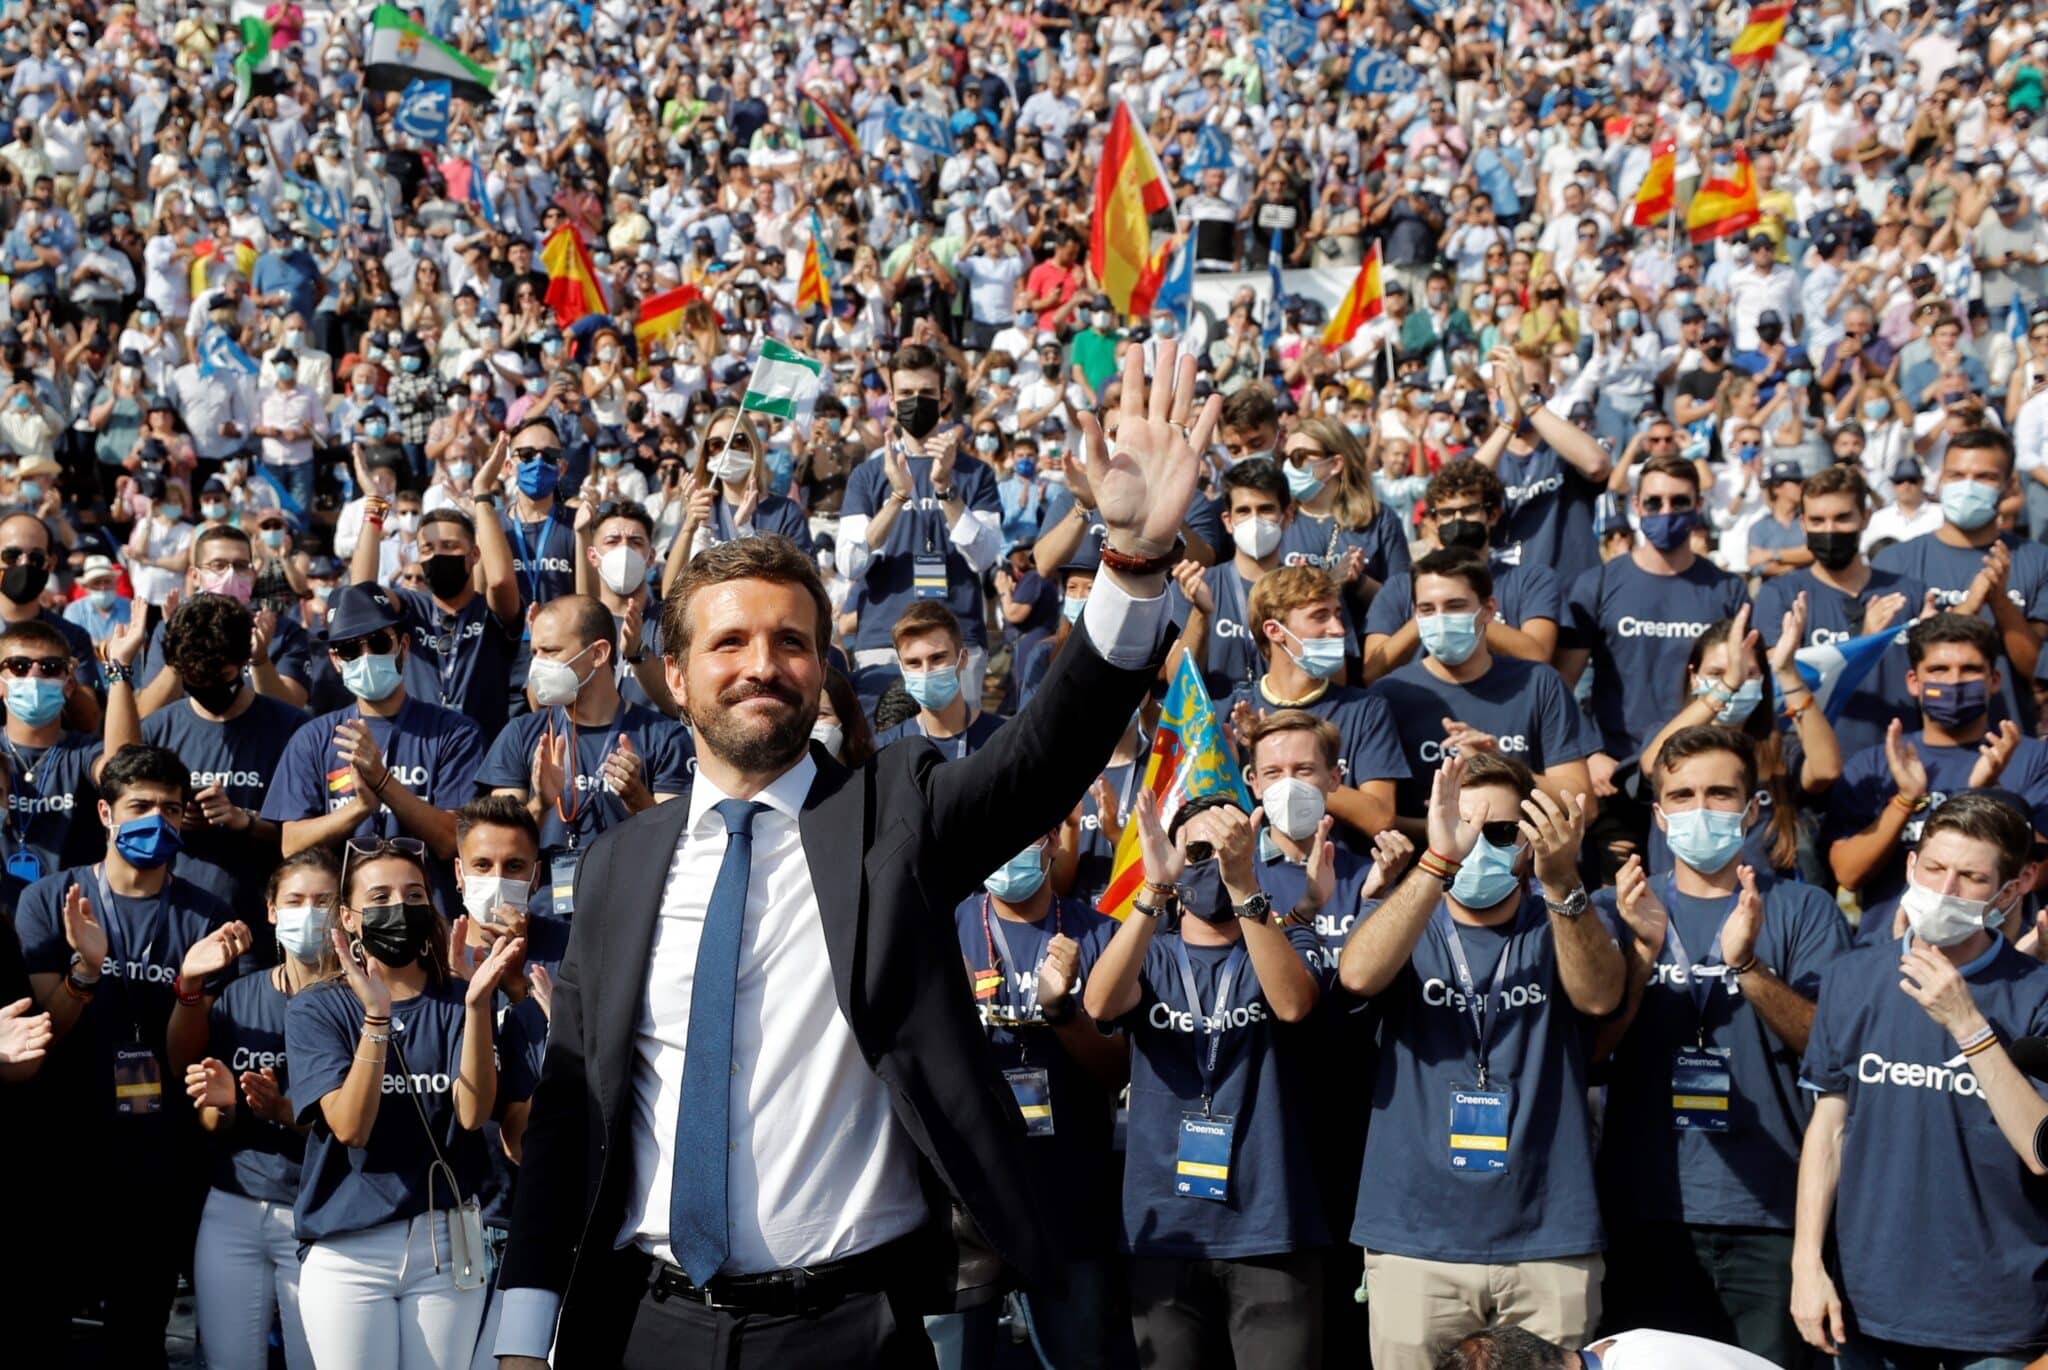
{"x":1729,"y":1284}
{"x":1256,"y":1312}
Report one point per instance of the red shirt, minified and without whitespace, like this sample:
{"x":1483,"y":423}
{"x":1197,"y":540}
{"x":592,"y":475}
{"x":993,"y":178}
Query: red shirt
{"x":1051,"y":276}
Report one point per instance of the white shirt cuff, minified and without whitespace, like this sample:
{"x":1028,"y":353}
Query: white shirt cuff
{"x":526,"y":1327}
{"x":1127,"y":631}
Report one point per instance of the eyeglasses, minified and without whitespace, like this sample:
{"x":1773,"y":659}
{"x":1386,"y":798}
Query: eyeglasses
{"x":383,"y":642}
{"x":1449,"y":514}
{"x":526,"y":454}
{"x":219,"y":566}
{"x":1657,"y":504}
{"x":1505,"y":832}
{"x":48,"y":667}
{"x":36,"y":556}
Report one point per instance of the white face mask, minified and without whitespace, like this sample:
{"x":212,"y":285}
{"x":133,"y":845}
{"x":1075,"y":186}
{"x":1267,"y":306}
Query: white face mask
{"x":1943,"y":920}
{"x":830,"y":734}
{"x":732,"y":467}
{"x":1294,"y":807}
{"x":1256,"y":538}
{"x":623,"y":570}
{"x":483,"y":894}
{"x":554,"y":683}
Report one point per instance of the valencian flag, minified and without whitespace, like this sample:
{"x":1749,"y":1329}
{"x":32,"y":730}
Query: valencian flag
{"x":831,"y":121}
{"x":1724,"y":204}
{"x":1760,"y":36}
{"x":814,"y":281}
{"x":1362,"y":301}
{"x":573,"y":287}
{"x":402,"y":52}
{"x":661,"y":315}
{"x":1130,"y":188}
{"x":1658,"y":193}
{"x":1189,"y":760}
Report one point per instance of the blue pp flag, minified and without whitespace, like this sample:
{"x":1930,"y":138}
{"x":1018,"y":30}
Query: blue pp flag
{"x":921,"y":129}
{"x":1834,"y":671}
{"x":1272,"y":330}
{"x":322,"y":205}
{"x":1212,"y":149}
{"x":480,"y":192}
{"x":1715,"y":82}
{"x":1378,"y":73}
{"x":1428,"y":9}
{"x":219,"y":352}
{"x":1177,"y":291}
{"x":423,"y":111}
{"x":1290,"y":37}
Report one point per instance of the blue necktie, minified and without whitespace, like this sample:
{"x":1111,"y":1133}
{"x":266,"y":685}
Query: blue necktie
{"x":696,"y":1203}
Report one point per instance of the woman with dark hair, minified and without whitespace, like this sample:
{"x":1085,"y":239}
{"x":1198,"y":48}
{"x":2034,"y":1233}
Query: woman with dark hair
{"x":1742,"y":689}
{"x":395,"y":1073}
{"x":841,"y":726}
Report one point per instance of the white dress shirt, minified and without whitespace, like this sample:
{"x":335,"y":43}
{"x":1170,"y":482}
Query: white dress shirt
{"x":818,"y":1167}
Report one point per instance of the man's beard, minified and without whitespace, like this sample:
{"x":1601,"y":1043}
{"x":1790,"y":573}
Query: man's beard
{"x":748,"y":747}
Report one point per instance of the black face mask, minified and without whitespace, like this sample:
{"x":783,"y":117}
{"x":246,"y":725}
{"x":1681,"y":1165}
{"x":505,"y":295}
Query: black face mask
{"x":218,"y":697}
{"x":1202,"y":894}
{"x":447,"y":574}
{"x":1713,"y":351}
{"x":918,"y":414}
{"x":396,"y":934}
{"x":22,"y":582}
{"x":1468,"y":535}
{"x":1834,"y":550}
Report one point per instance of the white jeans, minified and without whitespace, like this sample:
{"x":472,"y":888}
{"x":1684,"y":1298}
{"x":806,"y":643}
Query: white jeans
{"x":246,"y":1261}
{"x":373,"y":1298}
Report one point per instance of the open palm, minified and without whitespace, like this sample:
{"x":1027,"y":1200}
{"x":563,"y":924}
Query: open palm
{"x":1144,"y":481}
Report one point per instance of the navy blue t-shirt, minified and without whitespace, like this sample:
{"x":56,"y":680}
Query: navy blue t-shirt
{"x":1411,"y":1202}
{"x":662,"y":744}
{"x":1746,"y":1177}
{"x":240,"y":755}
{"x":1934,"y":1211}
{"x":41,"y":812}
{"x":918,"y":530}
{"x":1549,"y":512}
{"x":1368,"y":748}
{"x":773,"y":514}
{"x":979,"y":730}
{"x":1232,"y":655}
{"x":347,"y":1189}
{"x":1639,"y":628}
{"x":291,"y":652}
{"x":543,"y":555}
{"x":1833,"y":616}
{"x":254,"y":1157}
{"x":1098,"y":852}
{"x":1311,"y":541}
{"x":1522,"y":593}
{"x":459,"y":661}
{"x":432,"y":751}
{"x":1866,"y":787}
{"x":1525,"y":705}
{"x":1948,"y":572}
{"x":1260,"y":1080}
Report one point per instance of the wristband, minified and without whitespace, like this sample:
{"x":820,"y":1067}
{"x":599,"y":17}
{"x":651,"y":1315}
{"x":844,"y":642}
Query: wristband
{"x":1793,"y":711}
{"x":1975,"y":1039}
{"x":1133,"y":565}
{"x":1062,"y":1012}
{"x":79,"y":989}
{"x":1908,"y":806}
{"x":378,"y":1037}
{"x":1981,"y":1047}
{"x":116,"y":674}
{"x":1745,"y":968}
{"x":197,"y":996}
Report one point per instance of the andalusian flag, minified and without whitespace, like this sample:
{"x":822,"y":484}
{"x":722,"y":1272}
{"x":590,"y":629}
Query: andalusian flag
{"x":1189,"y":759}
{"x":1724,"y":204}
{"x":1130,"y":188}
{"x":573,"y":287}
{"x":832,"y":122}
{"x":1761,"y":35}
{"x":402,"y":52}
{"x":1658,"y":193}
{"x":252,"y":61}
{"x":661,"y":315}
{"x":814,"y":281}
{"x":1362,"y":301}
{"x":782,"y":384}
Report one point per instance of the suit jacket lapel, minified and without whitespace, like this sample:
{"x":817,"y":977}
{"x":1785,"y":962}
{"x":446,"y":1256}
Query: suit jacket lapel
{"x":834,"y":827}
{"x":619,"y":982}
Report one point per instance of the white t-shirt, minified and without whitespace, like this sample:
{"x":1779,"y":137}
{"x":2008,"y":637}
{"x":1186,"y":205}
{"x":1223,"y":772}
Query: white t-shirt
{"x":1673,"y":1351}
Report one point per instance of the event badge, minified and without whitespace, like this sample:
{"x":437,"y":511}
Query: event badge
{"x":562,"y":883}
{"x":25,"y":865}
{"x":928,"y":575}
{"x":1479,"y":1130}
{"x":1033,"y":1088}
{"x":138,"y":1082}
{"x":1202,"y":1170}
{"x":1700,"y":1089}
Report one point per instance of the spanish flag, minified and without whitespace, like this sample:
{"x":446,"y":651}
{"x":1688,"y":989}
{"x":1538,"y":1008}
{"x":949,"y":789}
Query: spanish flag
{"x":1361,"y":302}
{"x":1189,"y":759}
{"x":210,"y":257}
{"x":1130,"y":188}
{"x":814,"y":281}
{"x":1724,"y":204}
{"x":661,"y":315}
{"x":833,"y":123}
{"x":573,"y":287}
{"x":1760,"y":36}
{"x":1658,"y":193}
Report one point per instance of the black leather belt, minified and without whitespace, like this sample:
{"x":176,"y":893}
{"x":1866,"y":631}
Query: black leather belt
{"x":799,"y":1289}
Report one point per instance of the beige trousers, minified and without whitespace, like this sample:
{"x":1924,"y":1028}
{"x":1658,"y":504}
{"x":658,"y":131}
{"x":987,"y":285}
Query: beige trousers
{"x":1419,"y":1306}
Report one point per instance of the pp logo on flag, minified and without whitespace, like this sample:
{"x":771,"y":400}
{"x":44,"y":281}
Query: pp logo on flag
{"x":423,"y":111}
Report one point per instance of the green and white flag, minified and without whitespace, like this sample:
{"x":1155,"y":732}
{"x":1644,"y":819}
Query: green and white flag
{"x":255,"y":59}
{"x":783,"y":384}
{"x":402,"y":52}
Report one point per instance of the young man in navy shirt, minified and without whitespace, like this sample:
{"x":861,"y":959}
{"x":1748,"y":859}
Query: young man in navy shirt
{"x":1553,"y":471}
{"x":1463,"y":696}
{"x":49,"y":769}
{"x":1298,"y":622}
{"x":1875,"y":811}
{"x":224,"y":564}
{"x":584,"y":761}
{"x":1699,"y":1149}
{"x":933,"y":658}
{"x":618,"y":547}
{"x":1476,"y":1200}
{"x":541,"y":536}
{"x":27,"y":552}
{"x":1923,"y":1158}
{"x":1257,"y":508}
{"x":921,"y":520}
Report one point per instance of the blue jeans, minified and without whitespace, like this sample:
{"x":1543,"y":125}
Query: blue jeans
{"x":1872,"y":1353}
{"x":298,"y":483}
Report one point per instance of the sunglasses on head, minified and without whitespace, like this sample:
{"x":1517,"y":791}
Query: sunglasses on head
{"x":356,"y":851}
{"x":48,"y":667}
{"x":383,"y":642}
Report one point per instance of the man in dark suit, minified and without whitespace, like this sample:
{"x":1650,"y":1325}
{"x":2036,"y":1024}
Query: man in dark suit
{"x":770,"y":1130}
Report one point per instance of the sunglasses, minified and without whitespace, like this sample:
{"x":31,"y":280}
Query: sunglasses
{"x":1677,"y":504}
{"x":739,"y":442}
{"x":384,"y":846}
{"x":1504,"y":832}
{"x":383,"y":642}
{"x":48,"y":667}
{"x":36,"y":556}
{"x":547,"y":454}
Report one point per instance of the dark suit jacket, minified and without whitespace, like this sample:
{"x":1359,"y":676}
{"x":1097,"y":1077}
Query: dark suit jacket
{"x":893,"y":847}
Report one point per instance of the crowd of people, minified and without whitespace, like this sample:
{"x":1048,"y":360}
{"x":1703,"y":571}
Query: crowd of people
{"x":1612,"y":934}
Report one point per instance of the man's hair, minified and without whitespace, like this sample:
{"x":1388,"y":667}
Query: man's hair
{"x":585,"y":615}
{"x":1980,"y":439}
{"x":768,"y":557}
{"x":138,"y":763}
{"x":1838,"y":480}
{"x":1465,"y":478}
{"x":1502,"y":1348}
{"x":1491,"y":768}
{"x":496,"y":811}
{"x":205,"y":633}
{"x":1987,"y":817}
{"x":1261,"y":475}
{"x":448,"y":513}
{"x":219,"y":532}
{"x":1328,"y":740}
{"x":37,"y":634}
{"x":1280,"y":593}
{"x":923,"y":617}
{"x":1670,"y":464}
{"x":536,"y":421}
{"x":915,"y":357}
{"x":1949,"y":626}
{"x":1701,"y":739}
{"x":627,"y":509}
{"x":1251,"y":407}
{"x":1455,"y":563}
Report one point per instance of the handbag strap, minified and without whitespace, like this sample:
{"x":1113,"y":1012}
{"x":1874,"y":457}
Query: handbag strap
{"x":440,"y":1161}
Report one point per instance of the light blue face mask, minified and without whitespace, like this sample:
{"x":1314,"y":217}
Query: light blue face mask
{"x":1321,"y":657}
{"x":1705,"y":839}
{"x":35,"y":701}
{"x":933,"y":689}
{"x":1877,"y":410}
{"x":302,"y":932}
{"x":1968,"y":504}
{"x":1018,"y":878}
{"x":1071,"y":607}
{"x":371,"y":677}
{"x":1301,"y":481}
{"x":101,"y":600}
{"x":1450,"y":638}
{"x":1737,"y":710}
{"x":1487,"y":876}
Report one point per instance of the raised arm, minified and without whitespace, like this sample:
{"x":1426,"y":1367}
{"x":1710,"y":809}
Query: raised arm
{"x":1381,"y":945}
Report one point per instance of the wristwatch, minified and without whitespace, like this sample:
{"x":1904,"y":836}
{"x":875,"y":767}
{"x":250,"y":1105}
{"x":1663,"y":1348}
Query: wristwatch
{"x":1572,"y":905}
{"x":1257,"y":909}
